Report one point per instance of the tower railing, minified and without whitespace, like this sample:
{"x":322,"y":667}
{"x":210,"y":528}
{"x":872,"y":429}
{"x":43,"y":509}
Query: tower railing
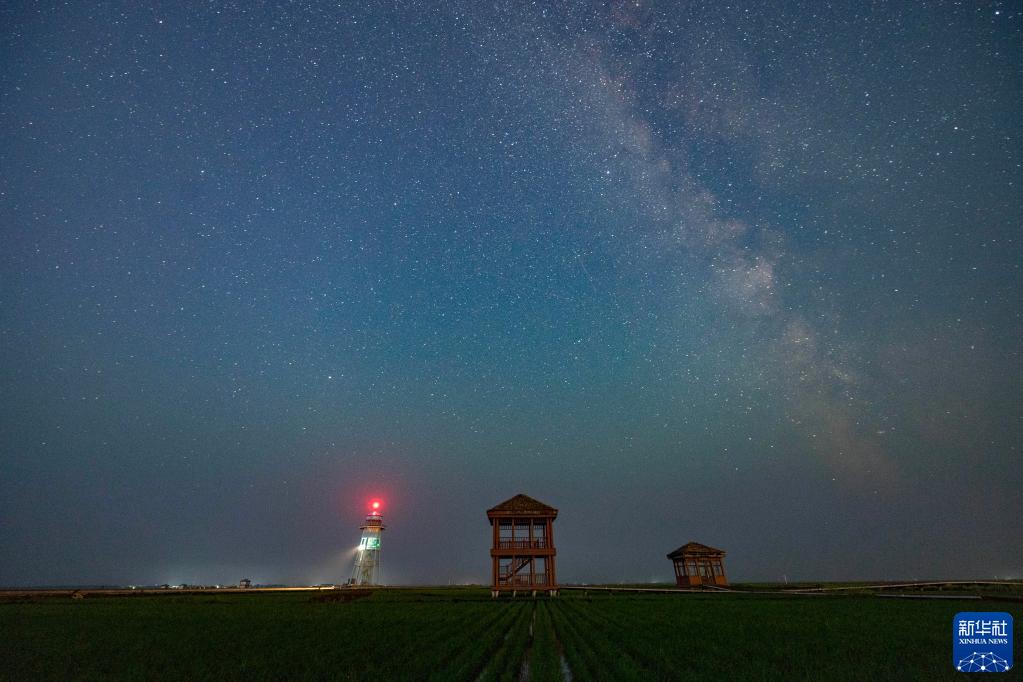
{"x":525,"y":579}
{"x":535,"y":543}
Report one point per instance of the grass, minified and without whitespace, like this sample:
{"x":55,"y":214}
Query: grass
{"x":545,"y":658}
{"x":460,"y":634}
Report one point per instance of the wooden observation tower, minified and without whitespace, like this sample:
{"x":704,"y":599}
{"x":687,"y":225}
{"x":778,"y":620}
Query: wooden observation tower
{"x":523,"y":550}
{"x":697,"y":564}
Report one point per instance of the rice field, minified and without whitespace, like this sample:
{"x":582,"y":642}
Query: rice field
{"x":461,"y":634}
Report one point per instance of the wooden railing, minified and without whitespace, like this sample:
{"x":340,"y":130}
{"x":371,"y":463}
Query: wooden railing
{"x":535,"y":543}
{"x":525,"y":579}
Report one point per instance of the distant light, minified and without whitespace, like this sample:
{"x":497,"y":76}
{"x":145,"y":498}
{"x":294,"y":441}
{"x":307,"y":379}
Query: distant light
{"x":376,"y":505}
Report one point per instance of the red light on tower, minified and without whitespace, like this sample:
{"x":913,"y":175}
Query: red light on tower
{"x":375,"y":506}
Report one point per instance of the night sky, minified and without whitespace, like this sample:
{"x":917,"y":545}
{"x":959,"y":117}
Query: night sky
{"x":737,"y":274}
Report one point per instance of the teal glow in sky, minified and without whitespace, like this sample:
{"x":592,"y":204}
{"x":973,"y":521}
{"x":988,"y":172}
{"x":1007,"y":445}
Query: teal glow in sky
{"x":743,"y":275}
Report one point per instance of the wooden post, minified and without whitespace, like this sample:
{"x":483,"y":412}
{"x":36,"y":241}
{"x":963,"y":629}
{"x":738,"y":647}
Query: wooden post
{"x":552,"y":579}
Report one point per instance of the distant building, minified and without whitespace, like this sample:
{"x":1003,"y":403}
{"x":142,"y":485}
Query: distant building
{"x":523,"y":550}
{"x":244,"y":583}
{"x":367,"y":556}
{"x":697,"y":564}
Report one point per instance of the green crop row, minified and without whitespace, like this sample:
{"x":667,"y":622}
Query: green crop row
{"x":483,"y":645}
{"x":545,"y":659}
{"x":506,"y":664}
{"x":461,"y":634}
{"x":752,"y":638}
{"x":444,"y":645}
{"x":598,"y":629}
{"x":591,"y":652}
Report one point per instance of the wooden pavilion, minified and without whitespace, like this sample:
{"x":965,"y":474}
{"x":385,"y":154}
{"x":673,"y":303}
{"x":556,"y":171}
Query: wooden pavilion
{"x":697,"y":564}
{"x":523,"y":550}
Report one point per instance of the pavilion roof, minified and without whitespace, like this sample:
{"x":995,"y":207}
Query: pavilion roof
{"x":522,"y":505}
{"x":695,"y":549}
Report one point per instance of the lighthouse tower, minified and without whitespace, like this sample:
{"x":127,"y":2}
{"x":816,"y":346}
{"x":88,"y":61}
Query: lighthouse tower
{"x":367,"y":557}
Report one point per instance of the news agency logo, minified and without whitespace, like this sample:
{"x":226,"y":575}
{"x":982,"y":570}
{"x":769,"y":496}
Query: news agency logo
{"x":982,"y":642}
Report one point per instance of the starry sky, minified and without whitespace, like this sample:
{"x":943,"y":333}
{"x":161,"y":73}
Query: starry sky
{"x":746,"y":274}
